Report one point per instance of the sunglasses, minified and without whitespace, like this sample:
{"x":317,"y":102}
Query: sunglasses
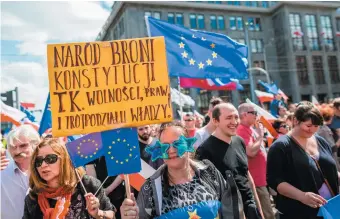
{"x":253,"y":112}
{"x":284,"y":126}
{"x":49,"y":159}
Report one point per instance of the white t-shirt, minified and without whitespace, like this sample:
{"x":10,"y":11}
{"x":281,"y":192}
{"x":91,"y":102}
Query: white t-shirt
{"x":201,"y":134}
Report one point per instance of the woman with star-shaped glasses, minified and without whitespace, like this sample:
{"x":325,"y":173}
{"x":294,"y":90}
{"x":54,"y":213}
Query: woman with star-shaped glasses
{"x":182,"y":187}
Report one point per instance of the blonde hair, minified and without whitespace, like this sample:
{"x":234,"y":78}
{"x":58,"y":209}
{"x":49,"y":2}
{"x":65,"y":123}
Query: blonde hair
{"x":23,"y":131}
{"x":67,"y":176}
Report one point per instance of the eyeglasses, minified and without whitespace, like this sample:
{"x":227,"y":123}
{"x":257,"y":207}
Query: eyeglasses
{"x":284,"y":126}
{"x":189,"y":120}
{"x":49,"y":159}
{"x":253,"y":112}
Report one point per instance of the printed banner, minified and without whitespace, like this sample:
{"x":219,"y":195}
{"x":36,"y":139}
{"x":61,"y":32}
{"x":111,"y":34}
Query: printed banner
{"x":99,"y":86}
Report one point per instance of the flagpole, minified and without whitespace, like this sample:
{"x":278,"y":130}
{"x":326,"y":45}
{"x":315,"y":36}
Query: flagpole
{"x":81,"y":182}
{"x":127,"y":186}
{"x":180,"y":99}
{"x":101,"y":186}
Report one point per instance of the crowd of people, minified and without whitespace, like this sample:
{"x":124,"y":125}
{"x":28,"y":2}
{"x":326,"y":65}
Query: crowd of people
{"x":222,"y":165}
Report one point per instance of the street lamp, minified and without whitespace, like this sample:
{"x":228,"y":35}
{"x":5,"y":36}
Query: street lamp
{"x":251,"y":80}
{"x":265,"y":53}
{"x":261,"y":70}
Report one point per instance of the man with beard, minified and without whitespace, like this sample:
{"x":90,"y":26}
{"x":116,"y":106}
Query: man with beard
{"x":14,"y":178}
{"x":145,"y":139}
{"x":227,"y":152}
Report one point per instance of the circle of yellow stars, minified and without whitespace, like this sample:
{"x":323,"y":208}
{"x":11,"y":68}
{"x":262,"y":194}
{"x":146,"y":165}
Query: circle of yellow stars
{"x":87,"y":155}
{"x":121,"y":161}
{"x":201,"y":64}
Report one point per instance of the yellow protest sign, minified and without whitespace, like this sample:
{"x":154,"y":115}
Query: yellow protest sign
{"x":100,"y":86}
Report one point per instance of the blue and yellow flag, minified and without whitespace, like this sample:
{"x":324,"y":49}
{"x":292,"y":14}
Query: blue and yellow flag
{"x":120,"y":148}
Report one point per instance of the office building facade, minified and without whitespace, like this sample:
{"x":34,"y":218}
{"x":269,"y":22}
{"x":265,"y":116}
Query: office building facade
{"x":297,"y":43}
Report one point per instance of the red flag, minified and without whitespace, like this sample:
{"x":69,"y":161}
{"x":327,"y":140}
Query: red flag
{"x":27,"y":105}
{"x":204,"y":84}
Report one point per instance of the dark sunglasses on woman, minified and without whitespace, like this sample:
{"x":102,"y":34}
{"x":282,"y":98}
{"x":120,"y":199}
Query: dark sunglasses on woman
{"x":49,"y":159}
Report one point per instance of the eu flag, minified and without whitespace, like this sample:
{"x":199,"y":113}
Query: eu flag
{"x":46,"y":121}
{"x":85,"y":149}
{"x":331,"y":209}
{"x":200,"y":54}
{"x":120,"y":148}
{"x":122,"y":151}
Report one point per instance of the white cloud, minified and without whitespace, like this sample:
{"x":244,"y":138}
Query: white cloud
{"x":37,"y":22}
{"x":31,"y":78}
{"x":34,"y":24}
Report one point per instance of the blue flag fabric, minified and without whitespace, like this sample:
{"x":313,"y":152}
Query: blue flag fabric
{"x":200,"y":54}
{"x":270,"y":88}
{"x":331,"y":209}
{"x":120,"y":148}
{"x":46,"y":120}
{"x":29,"y":115}
{"x":206,"y":210}
{"x":85,"y":149}
{"x":122,"y":154}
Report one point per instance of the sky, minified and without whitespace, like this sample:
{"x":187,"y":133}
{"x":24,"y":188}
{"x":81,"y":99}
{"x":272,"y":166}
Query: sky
{"x":27,"y":28}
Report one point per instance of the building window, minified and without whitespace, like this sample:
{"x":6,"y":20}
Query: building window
{"x":256,"y":46}
{"x":251,"y":3}
{"x":193,"y":21}
{"x":213,"y":22}
{"x":313,"y":36}
{"x":242,"y":41}
{"x":259,"y":64}
{"x":318,"y":70}
{"x":333,"y":69}
{"x":157,"y":15}
{"x":147,"y":14}
{"x":301,"y":70}
{"x":296,"y":33}
{"x":273,"y":3}
{"x":265,"y":4}
{"x":236,"y":23}
{"x":171,"y":18}
{"x":239,"y":21}
{"x":254,"y":24}
{"x":221,"y":24}
{"x":200,"y":18}
{"x":234,"y":2}
{"x":327,"y":33}
{"x":179,"y":19}
{"x":232,"y":23}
